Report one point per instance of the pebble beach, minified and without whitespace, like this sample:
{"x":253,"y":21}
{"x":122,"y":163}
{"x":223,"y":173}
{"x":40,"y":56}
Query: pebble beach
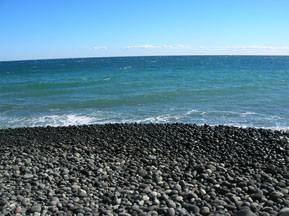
{"x":144,"y":169}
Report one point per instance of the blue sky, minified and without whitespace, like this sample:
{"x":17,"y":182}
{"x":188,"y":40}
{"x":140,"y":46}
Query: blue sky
{"x":34,"y":29}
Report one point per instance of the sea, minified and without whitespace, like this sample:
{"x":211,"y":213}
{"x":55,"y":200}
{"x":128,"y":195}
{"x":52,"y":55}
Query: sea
{"x":242,"y":91}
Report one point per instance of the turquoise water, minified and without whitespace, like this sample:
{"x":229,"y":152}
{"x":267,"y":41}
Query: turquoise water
{"x":232,"y":90}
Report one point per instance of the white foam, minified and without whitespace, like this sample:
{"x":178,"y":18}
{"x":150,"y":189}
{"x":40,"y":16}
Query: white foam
{"x":245,"y":114}
{"x":102,"y":117}
{"x":238,"y":125}
{"x":279,"y":128}
{"x":53,"y":120}
{"x":192,"y":111}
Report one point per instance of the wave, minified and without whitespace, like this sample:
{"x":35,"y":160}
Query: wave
{"x":199,"y":117}
{"x":277,"y":128}
{"x":50,"y":120}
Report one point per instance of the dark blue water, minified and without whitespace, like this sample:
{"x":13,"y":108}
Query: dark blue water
{"x":232,"y":90}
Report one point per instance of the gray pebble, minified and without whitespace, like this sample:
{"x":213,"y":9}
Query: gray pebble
{"x":284,"y":212}
{"x":35,"y":208}
{"x":171,"y":212}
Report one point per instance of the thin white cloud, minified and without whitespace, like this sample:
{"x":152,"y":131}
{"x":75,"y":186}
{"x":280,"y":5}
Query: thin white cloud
{"x":163,"y":46}
{"x":258,"y":47}
{"x":244,"y":49}
{"x":145,"y":46}
{"x":100,"y":48}
{"x":180,"y":49}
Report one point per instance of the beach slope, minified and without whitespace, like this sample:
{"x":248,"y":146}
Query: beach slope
{"x":144,"y":169}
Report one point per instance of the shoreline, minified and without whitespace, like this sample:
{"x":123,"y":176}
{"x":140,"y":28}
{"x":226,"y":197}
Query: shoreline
{"x":144,"y":169}
{"x":275,"y":128}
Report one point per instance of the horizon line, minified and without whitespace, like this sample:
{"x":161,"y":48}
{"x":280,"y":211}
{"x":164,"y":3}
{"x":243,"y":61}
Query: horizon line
{"x":133,"y":56}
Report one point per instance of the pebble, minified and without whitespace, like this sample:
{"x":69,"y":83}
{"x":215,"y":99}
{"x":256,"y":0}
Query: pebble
{"x":245,"y":212}
{"x":35,"y":208}
{"x":284,"y":212}
{"x":205,"y":210}
{"x":171,"y":212}
{"x":142,"y":172}
{"x":275,"y":195}
{"x":145,"y":198}
{"x":192,"y":208}
{"x":3,"y":202}
{"x":28,"y":176}
{"x":82,"y":193}
{"x":143,"y":169}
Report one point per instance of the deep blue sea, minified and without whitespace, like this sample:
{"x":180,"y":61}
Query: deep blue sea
{"x":242,"y":91}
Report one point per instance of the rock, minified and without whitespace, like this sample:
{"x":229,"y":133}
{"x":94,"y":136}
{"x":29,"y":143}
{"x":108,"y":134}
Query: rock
{"x":28,"y":176}
{"x":171,"y":212}
{"x":82,"y":193}
{"x":3,"y":202}
{"x":183,"y":183}
{"x":257,"y":196}
{"x":255,"y":207}
{"x":264,"y":214}
{"x":275,"y":195}
{"x":156,"y":201}
{"x":245,"y":212}
{"x":65,"y":171}
{"x":152,"y":157}
{"x":153,"y":194}
{"x":25,"y":202}
{"x":20,"y":198}
{"x":18,"y":210}
{"x":145,"y":198}
{"x":205,"y":210}
{"x":54,"y":201}
{"x":35,"y":208}
{"x":171,"y":204}
{"x":179,"y":198}
{"x":141,"y":202}
{"x":142,"y":172}
{"x":178,"y":187}
{"x":143,"y":169}
{"x":75,"y":187}
{"x":284,"y":212}
{"x":192,"y":208}
{"x":203,"y":192}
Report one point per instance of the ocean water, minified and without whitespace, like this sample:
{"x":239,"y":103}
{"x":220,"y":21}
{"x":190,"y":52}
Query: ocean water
{"x":246,"y":91}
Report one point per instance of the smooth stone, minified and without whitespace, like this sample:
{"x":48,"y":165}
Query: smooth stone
{"x":35,"y":208}
{"x":82,"y":193}
{"x":171,"y":212}
{"x":205,"y":210}
{"x":284,"y":212}
{"x":179,"y":198}
{"x":245,"y":212}
{"x":25,"y":202}
{"x":28,"y":176}
{"x":275,"y":195}
{"x":257,"y":196}
{"x":3,"y":202}
{"x":75,"y":187}
{"x":18,"y":210}
{"x":142,"y":172}
{"x":171,"y":204}
{"x":264,"y":214}
{"x":54,"y":200}
{"x":145,"y":198}
{"x":192,"y":208}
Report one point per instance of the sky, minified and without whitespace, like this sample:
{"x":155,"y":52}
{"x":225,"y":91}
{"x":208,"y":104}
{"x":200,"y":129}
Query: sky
{"x":34,"y":29}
